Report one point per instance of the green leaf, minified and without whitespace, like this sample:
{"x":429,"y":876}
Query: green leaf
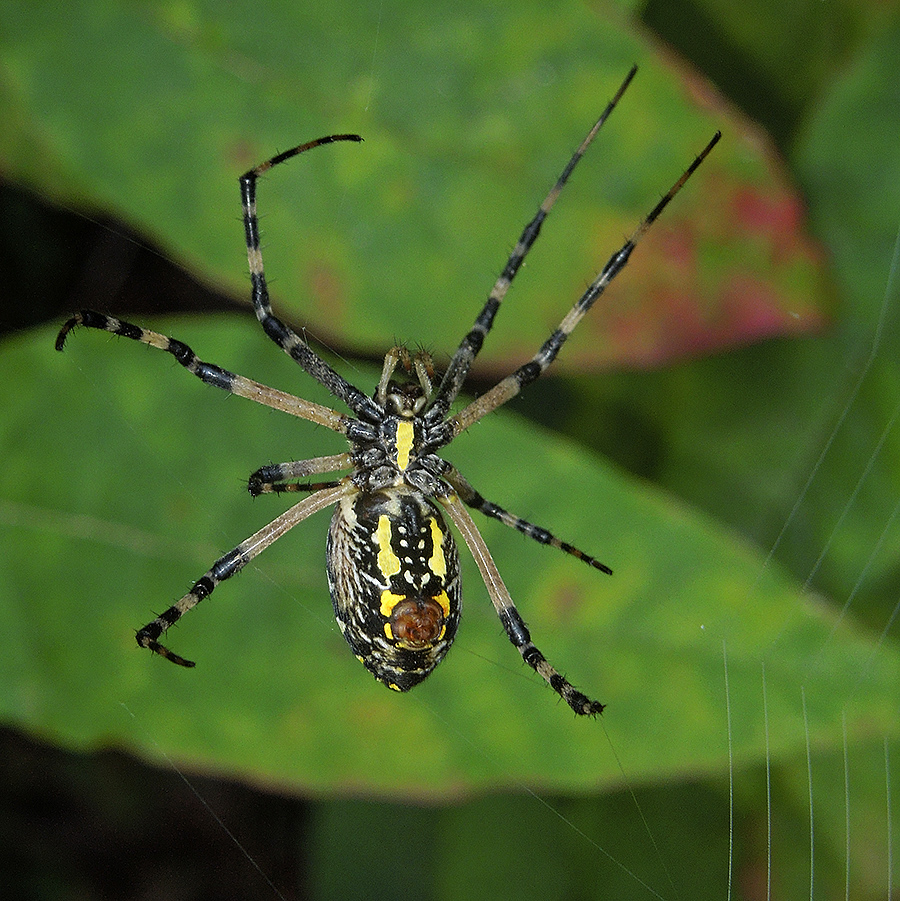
{"x":366,"y":242}
{"x":151,"y":492}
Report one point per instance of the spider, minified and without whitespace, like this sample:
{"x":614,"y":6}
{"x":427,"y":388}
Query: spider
{"x":392,"y":563}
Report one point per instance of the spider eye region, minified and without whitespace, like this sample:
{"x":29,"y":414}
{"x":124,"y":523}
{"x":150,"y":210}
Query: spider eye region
{"x":406,"y":399}
{"x":393,"y":572}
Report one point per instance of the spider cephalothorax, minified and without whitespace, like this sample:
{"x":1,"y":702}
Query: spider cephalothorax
{"x":393,"y":566}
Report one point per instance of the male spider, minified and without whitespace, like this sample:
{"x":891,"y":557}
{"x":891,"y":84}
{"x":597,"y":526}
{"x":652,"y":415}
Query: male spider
{"x":393,"y":566}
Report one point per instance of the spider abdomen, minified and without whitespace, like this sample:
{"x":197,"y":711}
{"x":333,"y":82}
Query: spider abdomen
{"x":393,"y":572}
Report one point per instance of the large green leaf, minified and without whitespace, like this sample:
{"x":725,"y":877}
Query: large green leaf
{"x":152,"y":111}
{"x":130,"y":483}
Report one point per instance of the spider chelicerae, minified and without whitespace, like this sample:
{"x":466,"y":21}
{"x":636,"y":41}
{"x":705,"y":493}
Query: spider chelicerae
{"x":393,"y":566}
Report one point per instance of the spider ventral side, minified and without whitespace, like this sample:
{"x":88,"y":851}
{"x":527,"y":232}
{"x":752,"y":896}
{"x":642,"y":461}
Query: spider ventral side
{"x":391,"y":559}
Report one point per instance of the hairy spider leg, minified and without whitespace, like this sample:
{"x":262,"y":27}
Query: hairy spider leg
{"x":470,"y":346}
{"x":209,"y":372}
{"x":233,"y":562}
{"x":472,"y":498}
{"x":288,"y":340}
{"x":509,"y":387}
{"x":509,"y":616}
{"x":274,"y":478}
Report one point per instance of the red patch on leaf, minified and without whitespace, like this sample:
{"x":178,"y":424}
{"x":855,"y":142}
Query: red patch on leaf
{"x":725,"y":274}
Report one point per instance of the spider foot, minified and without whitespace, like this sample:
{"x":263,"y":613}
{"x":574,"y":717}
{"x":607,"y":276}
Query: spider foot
{"x":145,"y":641}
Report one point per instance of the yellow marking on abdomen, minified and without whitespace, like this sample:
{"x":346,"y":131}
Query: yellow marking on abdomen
{"x":388,"y":561}
{"x":405,"y":436}
{"x":437,"y":563}
{"x":389,"y":600}
{"x":444,"y":601}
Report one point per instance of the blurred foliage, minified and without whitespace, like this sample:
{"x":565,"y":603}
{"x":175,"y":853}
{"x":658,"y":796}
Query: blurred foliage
{"x":122,"y":480}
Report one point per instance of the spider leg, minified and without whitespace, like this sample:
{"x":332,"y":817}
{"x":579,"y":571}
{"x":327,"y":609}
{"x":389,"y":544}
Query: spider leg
{"x":208,"y":372}
{"x":506,"y":610}
{"x":288,"y":340}
{"x":465,"y":355}
{"x":233,"y":562}
{"x":510,"y":386}
{"x":275,"y":478}
{"x":420,"y":363}
{"x":472,"y":498}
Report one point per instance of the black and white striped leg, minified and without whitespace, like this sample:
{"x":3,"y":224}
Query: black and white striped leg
{"x":472,"y":498}
{"x":288,"y":340}
{"x":233,"y":562}
{"x":276,"y":478}
{"x":465,"y":355}
{"x":208,"y":372}
{"x":506,"y":610}
{"x":526,"y":374}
